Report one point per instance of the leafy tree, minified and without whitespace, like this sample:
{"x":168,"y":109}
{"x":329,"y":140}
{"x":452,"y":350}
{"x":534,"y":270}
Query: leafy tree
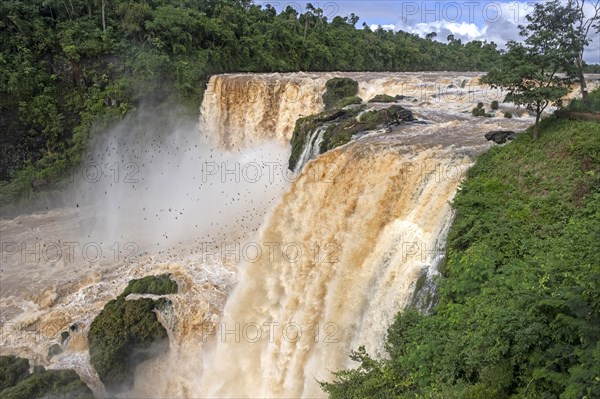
{"x":582,"y":26}
{"x":539,"y":71}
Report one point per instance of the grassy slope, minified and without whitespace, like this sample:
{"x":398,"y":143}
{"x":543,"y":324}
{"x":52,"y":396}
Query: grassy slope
{"x":519,"y":308}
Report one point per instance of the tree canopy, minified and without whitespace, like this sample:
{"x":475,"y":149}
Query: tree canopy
{"x":69,"y":68}
{"x":539,"y":71}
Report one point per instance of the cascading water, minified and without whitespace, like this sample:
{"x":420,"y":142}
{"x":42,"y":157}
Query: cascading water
{"x":247,"y":108}
{"x":311,"y":149}
{"x":340,"y":253}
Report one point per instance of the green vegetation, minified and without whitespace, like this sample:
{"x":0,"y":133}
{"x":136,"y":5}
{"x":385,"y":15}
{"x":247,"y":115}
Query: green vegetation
{"x":127,"y":332}
{"x":480,"y":111}
{"x":307,"y":125}
{"x":508,"y":114}
{"x":342,"y":125}
{"x":341,"y":131}
{"x":495,"y":105}
{"x":518,"y":313}
{"x":17,"y":383}
{"x":70,"y":69}
{"x":344,"y":102}
{"x":157,"y":285}
{"x":337,"y":89}
{"x":394,"y":114}
{"x":12,"y":371}
{"x":383,"y":98}
{"x":591,"y":105}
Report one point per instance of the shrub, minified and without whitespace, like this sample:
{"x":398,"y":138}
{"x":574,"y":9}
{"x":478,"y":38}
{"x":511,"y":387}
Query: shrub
{"x":369,"y":116}
{"x":494,"y":105}
{"x":592,"y":105}
{"x":508,"y":114}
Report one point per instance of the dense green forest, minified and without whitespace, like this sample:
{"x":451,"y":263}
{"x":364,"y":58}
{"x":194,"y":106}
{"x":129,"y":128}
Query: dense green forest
{"x":68,"y":69}
{"x":519,"y":307}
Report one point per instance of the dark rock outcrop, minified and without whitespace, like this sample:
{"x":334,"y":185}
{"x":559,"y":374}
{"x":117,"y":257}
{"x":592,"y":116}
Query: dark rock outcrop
{"x":342,"y":125}
{"x":500,"y":136}
{"x":54,"y":350}
{"x":383,"y":98}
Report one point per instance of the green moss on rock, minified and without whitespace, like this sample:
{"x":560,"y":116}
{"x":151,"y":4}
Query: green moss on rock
{"x":17,"y":383}
{"x":157,"y":285}
{"x":477,"y":111}
{"x":12,"y":370}
{"x":341,"y":133}
{"x":343,"y":125}
{"x":127,"y":332}
{"x":383,"y":98}
{"x":344,"y":102}
{"x":338,"y":89}
{"x":305,"y":126}
{"x":394,"y":114}
{"x":122,"y":336}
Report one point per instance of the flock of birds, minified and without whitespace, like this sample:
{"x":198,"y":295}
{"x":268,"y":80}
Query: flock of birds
{"x":156,"y":186}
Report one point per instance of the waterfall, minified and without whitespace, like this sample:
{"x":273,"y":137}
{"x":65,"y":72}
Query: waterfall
{"x":239,"y":110}
{"x":311,"y":148}
{"x":322,"y":261}
{"x":345,"y":248}
{"x":353,"y":235}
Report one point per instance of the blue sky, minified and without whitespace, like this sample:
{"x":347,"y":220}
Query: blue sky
{"x":467,"y":20}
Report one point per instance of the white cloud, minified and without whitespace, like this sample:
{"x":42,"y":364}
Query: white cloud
{"x":491,"y":21}
{"x":374,"y":27}
{"x":464,"y":31}
{"x":497,"y":22}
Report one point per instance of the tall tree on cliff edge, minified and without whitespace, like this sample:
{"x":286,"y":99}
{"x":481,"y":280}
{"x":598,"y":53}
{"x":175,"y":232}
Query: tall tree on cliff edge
{"x":539,"y":71}
{"x":583,"y":24}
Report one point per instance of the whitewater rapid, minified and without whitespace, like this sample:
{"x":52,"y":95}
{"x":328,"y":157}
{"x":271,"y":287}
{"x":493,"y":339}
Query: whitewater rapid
{"x":281,"y":275}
